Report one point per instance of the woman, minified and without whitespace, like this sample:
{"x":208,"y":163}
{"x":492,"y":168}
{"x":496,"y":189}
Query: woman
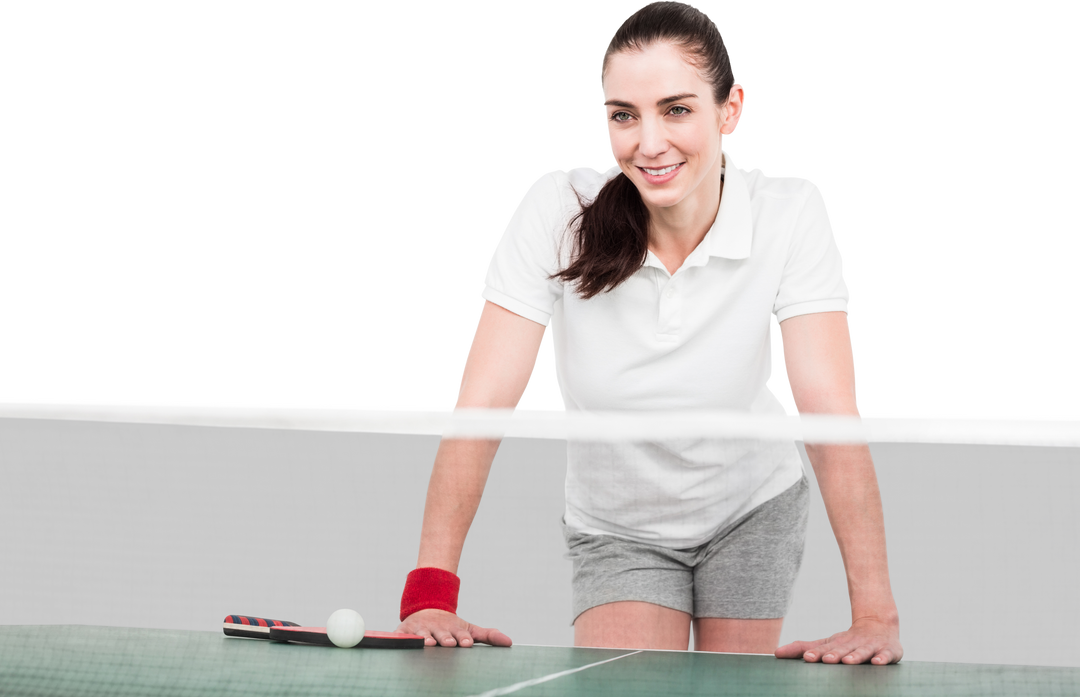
{"x":660,"y":277}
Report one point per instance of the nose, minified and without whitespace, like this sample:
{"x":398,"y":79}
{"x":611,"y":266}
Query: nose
{"x":653,"y":142}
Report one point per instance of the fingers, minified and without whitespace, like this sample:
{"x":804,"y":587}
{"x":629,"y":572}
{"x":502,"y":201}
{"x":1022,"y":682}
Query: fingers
{"x":877,"y":643}
{"x":796,"y":649}
{"x":437,"y":631}
{"x":465,"y":637}
{"x":490,"y":636}
{"x":470,"y":634}
{"x":444,"y":637}
{"x":851,"y":653}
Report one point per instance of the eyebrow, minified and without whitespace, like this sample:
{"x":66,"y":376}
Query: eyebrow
{"x":662,"y":102}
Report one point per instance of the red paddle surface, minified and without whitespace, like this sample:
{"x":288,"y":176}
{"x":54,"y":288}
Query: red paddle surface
{"x":280,"y":630}
{"x":371,"y":640}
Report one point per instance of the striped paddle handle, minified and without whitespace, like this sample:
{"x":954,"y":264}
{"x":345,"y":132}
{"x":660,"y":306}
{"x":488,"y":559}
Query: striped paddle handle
{"x":253,"y":627}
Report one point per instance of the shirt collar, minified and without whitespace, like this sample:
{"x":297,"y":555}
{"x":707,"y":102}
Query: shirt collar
{"x":732,"y":231}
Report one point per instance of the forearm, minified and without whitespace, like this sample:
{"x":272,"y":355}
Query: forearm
{"x":457,"y":483}
{"x":849,"y":488}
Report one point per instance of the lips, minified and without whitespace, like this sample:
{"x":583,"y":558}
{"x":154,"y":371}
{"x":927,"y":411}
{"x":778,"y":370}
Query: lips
{"x":661,"y":169}
{"x":660,"y":175}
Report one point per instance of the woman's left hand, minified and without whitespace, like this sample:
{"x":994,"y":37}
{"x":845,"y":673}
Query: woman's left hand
{"x":868,"y":640}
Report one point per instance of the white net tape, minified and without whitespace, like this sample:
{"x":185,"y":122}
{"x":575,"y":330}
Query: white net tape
{"x":585,"y":426}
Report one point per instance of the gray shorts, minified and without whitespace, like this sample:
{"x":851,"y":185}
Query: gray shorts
{"x":746,"y":572}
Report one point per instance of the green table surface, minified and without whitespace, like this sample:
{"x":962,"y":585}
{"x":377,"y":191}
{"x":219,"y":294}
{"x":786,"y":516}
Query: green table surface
{"x":84,"y":660}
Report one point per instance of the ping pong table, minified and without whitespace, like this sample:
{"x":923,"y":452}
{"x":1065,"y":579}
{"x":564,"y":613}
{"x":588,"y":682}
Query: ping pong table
{"x":88,"y":660}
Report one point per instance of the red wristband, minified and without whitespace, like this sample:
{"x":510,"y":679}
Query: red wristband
{"x":429,"y":589}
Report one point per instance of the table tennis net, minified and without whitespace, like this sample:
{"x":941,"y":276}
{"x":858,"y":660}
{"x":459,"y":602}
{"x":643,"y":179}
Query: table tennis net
{"x":173,"y":519}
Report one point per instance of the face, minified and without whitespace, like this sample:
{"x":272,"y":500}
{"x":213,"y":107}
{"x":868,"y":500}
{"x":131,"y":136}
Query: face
{"x":665,"y":126}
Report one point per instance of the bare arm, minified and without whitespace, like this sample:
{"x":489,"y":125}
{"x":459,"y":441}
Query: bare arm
{"x":817,"y":351}
{"x":496,"y":373}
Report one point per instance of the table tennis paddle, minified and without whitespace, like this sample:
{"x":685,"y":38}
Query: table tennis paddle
{"x":280,"y":630}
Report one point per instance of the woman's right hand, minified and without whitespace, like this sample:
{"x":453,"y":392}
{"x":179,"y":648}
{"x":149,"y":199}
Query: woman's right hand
{"x":439,"y":627}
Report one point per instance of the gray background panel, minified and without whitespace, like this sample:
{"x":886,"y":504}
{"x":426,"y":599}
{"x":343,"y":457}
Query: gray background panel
{"x":176,"y":527}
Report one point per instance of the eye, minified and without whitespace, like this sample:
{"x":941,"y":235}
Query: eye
{"x":615,"y":117}
{"x":621,"y":116}
{"x":680,"y":113}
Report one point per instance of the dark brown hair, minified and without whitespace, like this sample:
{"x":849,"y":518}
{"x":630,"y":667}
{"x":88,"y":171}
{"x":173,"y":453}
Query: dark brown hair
{"x":611,"y":233}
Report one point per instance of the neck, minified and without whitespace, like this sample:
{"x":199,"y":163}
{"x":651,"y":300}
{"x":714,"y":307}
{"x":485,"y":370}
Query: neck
{"x":684,"y":225}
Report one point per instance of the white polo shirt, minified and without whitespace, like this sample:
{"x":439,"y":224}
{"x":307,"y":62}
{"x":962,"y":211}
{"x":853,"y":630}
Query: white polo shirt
{"x":695,"y":339}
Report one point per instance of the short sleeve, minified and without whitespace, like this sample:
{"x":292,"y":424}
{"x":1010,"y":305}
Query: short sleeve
{"x":517,"y":278}
{"x":812,"y":280}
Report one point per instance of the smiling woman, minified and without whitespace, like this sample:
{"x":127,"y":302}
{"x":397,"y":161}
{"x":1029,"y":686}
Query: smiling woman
{"x":667,"y":142}
{"x":659,"y":278}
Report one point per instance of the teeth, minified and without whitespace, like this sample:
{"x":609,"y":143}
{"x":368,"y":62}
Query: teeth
{"x":658,"y":172}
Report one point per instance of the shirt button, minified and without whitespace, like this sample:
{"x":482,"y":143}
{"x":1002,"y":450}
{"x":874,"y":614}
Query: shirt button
{"x":671,"y":292}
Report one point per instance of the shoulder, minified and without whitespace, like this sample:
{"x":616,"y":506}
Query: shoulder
{"x":582,"y":182}
{"x":784,"y":192}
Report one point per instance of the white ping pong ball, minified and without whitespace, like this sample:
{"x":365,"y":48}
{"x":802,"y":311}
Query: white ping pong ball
{"x":345,"y":628}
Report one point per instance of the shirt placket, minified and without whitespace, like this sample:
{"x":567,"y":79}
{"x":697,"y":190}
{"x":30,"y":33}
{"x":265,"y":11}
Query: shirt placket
{"x":669,"y":323}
